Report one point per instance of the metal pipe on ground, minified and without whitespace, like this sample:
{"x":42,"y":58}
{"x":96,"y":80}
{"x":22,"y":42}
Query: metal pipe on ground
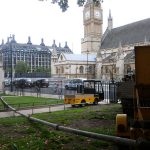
{"x":109,"y":138}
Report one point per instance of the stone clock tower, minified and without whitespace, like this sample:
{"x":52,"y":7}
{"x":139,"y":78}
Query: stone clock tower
{"x":92,"y":21}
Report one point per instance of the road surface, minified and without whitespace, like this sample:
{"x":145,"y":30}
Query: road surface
{"x":51,"y":108}
{"x":35,"y":110}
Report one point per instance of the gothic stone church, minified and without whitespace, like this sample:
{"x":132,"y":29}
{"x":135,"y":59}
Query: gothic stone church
{"x":108,"y":55}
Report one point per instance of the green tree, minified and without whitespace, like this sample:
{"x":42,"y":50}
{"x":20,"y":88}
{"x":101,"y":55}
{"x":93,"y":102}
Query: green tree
{"x":63,"y":4}
{"x":42,"y":69}
{"x":39,"y":69}
{"x":21,"y":67}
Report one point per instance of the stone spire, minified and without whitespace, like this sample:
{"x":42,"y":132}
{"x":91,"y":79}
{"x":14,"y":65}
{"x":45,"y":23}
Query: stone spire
{"x":110,"y":21}
{"x":66,"y":45}
{"x":54,"y":53}
{"x":29,"y":40}
{"x":42,"y":42}
{"x":120,"y":49}
{"x":54,"y":44}
{"x":59,"y":45}
{"x":13,"y":39}
{"x":2,"y":42}
{"x":120,"y":61}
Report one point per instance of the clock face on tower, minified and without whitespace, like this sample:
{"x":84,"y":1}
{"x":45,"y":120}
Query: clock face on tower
{"x":87,"y":15}
{"x":97,"y":14}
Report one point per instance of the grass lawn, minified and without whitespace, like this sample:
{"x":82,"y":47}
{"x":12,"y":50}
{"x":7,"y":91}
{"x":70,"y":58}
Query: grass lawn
{"x":27,"y":101}
{"x":20,"y":134}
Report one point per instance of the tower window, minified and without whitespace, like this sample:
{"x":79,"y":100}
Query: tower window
{"x":81,"y":68}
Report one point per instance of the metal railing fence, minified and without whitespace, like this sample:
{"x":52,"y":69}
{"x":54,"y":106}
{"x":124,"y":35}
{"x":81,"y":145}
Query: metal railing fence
{"x":58,"y":89}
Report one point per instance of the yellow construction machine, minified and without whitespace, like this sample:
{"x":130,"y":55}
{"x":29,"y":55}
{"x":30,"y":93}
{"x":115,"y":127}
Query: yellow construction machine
{"x":138,"y":126}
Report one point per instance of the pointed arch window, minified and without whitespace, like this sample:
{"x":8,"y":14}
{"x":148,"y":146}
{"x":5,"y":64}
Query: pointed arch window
{"x":128,"y":69}
{"x":81,"y":68}
{"x":90,"y":69}
{"x":57,"y":70}
{"x":106,"y":69}
{"x":61,"y":57}
{"x":62,"y":69}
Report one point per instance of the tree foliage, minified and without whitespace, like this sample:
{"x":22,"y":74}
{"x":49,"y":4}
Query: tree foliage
{"x":42,"y":69}
{"x":21,"y":67}
{"x":64,"y":4}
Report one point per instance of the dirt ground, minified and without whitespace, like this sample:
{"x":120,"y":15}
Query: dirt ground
{"x":95,"y":121}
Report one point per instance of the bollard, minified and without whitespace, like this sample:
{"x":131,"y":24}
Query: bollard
{"x":32,"y":110}
{"x":49,"y":108}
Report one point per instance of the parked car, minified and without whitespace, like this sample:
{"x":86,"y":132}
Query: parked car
{"x":72,"y":84}
{"x":41,"y":83}
{"x":22,"y":83}
{"x":7,"y":82}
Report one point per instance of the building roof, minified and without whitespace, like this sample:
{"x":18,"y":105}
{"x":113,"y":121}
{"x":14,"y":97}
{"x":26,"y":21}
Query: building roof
{"x":128,"y":34}
{"x":29,"y":46}
{"x":60,"y":49}
{"x":80,"y":57}
{"x":25,"y":47}
{"x":63,"y":50}
{"x":130,"y":57}
{"x":110,"y":59}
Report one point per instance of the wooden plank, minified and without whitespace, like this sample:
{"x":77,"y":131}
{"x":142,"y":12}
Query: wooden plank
{"x":142,"y":65}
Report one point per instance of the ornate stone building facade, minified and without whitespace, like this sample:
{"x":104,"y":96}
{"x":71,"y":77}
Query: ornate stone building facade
{"x":115,"y":57}
{"x":113,"y":50}
{"x":58,"y":69}
{"x":1,"y":73}
{"x":34,"y":55}
{"x":106,"y":56}
{"x":69,"y":65}
{"x":92,"y":21}
{"x":75,"y":66}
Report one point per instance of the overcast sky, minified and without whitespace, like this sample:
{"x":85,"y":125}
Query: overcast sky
{"x":44,"y":20}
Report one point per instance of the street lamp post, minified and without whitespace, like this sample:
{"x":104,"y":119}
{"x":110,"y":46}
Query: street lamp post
{"x":69,"y":70}
{"x":76,"y":71}
{"x":11,"y":63}
{"x":59,"y":72}
{"x":11,"y":71}
{"x":112,"y":74}
{"x":87,"y":65}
